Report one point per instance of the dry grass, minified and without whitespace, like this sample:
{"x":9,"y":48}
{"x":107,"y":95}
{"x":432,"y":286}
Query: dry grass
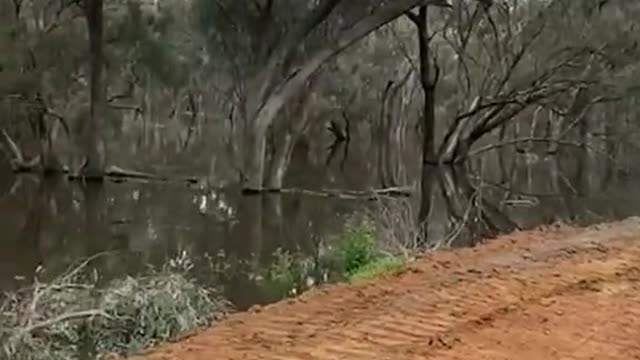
{"x":397,"y":225}
{"x":70,"y":317}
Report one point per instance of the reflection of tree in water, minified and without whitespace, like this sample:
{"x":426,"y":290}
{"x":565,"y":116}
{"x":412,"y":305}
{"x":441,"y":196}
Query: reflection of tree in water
{"x":62,"y":222}
{"x":470,"y":212}
{"x":269,"y":223}
{"x":516,"y":191}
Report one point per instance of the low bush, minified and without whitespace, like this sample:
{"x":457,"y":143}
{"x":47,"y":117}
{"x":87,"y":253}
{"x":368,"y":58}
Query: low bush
{"x":385,"y":265}
{"x":356,"y":247}
{"x":286,"y":274}
{"x":362,"y":256}
{"x":71,"y":318}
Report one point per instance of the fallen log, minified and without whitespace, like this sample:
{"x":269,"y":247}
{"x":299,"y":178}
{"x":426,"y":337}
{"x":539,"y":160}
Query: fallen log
{"x":372,"y":194}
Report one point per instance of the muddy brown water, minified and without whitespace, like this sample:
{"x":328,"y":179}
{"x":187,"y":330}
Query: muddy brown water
{"x":54,"y":223}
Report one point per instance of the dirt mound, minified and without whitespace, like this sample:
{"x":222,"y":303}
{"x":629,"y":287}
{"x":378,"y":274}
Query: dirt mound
{"x":554,"y":293}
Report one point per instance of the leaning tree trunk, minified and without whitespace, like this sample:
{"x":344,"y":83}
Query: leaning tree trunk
{"x":93,"y":145}
{"x":257,"y":117}
{"x":465,"y":132}
{"x":389,"y":133}
{"x":284,"y":150}
{"x":253,"y":164}
{"x":270,"y":102}
{"x":296,"y":121}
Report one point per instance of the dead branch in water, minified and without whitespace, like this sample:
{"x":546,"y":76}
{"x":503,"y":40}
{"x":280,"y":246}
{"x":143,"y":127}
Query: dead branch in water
{"x":18,"y":163}
{"x":372,"y":194}
{"x":521,"y":140}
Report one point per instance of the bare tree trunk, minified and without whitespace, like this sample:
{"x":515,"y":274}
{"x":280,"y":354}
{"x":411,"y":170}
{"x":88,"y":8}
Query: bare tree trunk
{"x":466,"y":132}
{"x":254,"y":152}
{"x":391,"y":145}
{"x":534,"y":126}
{"x":381,"y":132}
{"x":556,"y":124}
{"x":611,"y":146}
{"x":48,"y":158}
{"x":453,"y":142}
{"x":428,"y":81}
{"x":284,"y":149}
{"x":266,"y":100}
{"x":427,"y":181}
{"x":390,"y":133}
{"x":296,"y":121}
{"x":280,"y":160}
{"x":94,"y":149}
{"x":468,"y":208}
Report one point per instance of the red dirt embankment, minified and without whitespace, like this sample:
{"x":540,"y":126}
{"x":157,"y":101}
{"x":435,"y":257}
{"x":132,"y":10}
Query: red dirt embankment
{"x":554,"y":293}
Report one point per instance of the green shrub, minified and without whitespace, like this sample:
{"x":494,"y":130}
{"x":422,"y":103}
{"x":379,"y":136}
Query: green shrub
{"x":356,"y":248}
{"x":287,"y":274}
{"x":283,"y":274}
{"x":381,"y":266}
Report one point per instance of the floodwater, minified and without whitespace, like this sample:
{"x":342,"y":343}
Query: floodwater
{"x":53,"y":223}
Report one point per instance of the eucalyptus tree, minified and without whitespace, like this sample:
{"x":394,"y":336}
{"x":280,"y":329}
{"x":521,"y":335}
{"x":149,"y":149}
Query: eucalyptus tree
{"x":273,"y":47}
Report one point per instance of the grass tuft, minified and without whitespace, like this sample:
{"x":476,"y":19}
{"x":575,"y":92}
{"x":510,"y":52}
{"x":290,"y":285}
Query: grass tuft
{"x":386,"y":265}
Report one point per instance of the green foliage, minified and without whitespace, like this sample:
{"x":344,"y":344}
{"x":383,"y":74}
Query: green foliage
{"x":356,"y":248}
{"x":381,"y":266}
{"x":286,"y":275}
{"x":358,"y":254}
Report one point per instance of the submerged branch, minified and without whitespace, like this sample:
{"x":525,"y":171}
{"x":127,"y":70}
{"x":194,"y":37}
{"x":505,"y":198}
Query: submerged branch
{"x":373,"y":194}
{"x":15,"y":150}
{"x":19,"y":163}
{"x":521,"y":140}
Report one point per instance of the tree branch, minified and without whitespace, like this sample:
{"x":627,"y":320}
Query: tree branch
{"x":415,"y":18}
{"x":490,"y":147}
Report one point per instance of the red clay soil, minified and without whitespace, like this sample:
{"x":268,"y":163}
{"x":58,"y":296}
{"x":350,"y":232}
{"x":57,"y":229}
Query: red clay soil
{"x":554,"y":293}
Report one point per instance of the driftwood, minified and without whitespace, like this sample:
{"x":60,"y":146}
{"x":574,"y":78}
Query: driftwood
{"x":373,"y":194}
{"x":113,"y":173}
{"x":118,"y":174}
{"x":20,"y":164}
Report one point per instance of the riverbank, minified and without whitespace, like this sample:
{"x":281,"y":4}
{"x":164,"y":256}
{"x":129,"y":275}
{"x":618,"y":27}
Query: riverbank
{"x":526,"y":295}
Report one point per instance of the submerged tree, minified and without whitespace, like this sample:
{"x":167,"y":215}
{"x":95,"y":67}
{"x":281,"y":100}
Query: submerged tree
{"x":93,"y":144}
{"x":493,"y":68}
{"x":505,"y":68}
{"x":275,"y":46}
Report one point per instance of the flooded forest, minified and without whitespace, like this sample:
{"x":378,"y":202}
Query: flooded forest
{"x":231,"y":132}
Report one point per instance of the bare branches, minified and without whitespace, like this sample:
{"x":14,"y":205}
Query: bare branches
{"x":17,"y":8}
{"x":506,"y":66}
{"x":15,"y":150}
{"x":490,"y":147}
{"x":284,"y":53}
{"x":60,"y":319}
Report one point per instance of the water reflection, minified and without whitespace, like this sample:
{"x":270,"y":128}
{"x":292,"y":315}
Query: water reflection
{"x":53,"y":223}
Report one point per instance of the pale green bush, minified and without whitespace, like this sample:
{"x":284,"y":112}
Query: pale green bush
{"x":70,"y":317}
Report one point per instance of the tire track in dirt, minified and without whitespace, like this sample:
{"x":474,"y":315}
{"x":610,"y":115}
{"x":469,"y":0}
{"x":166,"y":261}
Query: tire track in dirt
{"x":453,"y":304}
